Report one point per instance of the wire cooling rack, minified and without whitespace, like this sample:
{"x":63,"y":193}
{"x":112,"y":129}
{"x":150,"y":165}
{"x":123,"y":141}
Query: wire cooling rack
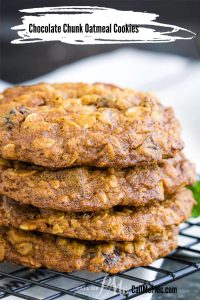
{"x":17,"y":281}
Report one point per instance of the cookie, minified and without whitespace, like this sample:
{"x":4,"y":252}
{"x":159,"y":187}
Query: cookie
{"x":81,"y":189}
{"x":120,"y":224}
{"x":67,"y":255}
{"x":72,"y":124}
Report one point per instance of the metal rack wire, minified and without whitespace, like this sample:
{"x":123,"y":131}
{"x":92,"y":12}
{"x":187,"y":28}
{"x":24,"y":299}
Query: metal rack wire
{"x":47,"y":285}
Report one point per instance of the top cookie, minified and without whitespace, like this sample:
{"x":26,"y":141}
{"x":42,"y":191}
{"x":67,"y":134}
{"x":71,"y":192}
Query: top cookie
{"x":63,"y":125}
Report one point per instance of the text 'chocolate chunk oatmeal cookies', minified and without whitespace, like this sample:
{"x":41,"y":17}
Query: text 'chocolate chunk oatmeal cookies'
{"x":71,"y":124}
{"x":67,"y":255}
{"x":93,"y":189}
{"x":118,"y":224}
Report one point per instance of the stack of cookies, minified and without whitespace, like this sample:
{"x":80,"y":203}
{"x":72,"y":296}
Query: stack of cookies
{"x":91,"y":177}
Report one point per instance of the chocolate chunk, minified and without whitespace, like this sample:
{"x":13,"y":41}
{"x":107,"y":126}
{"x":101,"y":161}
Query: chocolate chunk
{"x":9,"y":123}
{"x":112,"y":258}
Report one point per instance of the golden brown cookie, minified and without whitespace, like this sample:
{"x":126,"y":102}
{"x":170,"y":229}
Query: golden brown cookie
{"x":81,"y":189}
{"x":67,"y":255}
{"x":71,"y":124}
{"x":120,"y":224}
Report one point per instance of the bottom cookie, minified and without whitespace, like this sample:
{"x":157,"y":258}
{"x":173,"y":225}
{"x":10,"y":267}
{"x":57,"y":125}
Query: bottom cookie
{"x":66,"y":255}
